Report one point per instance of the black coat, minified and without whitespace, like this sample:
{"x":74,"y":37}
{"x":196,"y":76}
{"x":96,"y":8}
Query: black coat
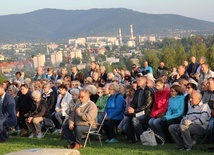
{"x":142,"y":101}
{"x":41,"y":111}
{"x":51,"y":101}
{"x":24,"y":103}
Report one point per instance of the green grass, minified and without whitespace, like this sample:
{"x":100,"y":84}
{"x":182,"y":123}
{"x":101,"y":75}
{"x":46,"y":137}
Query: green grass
{"x":121,"y":148}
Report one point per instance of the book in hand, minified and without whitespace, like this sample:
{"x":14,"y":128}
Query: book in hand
{"x":141,"y":113}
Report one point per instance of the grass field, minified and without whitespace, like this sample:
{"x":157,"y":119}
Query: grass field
{"x":121,"y":148}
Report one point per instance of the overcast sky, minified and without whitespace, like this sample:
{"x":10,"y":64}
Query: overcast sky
{"x":199,"y":9}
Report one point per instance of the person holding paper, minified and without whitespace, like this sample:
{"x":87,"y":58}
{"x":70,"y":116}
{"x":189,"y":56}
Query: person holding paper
{"x":139,"y":110}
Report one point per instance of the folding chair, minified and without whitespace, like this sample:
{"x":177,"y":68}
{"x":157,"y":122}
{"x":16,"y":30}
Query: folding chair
{"x":48,"y":125}
{"x":95,"y":132}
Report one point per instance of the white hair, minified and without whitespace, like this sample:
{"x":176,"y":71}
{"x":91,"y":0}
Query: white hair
{"x":36,"y":94}
{"x":75,"y":91}
{"x":92,"y":89}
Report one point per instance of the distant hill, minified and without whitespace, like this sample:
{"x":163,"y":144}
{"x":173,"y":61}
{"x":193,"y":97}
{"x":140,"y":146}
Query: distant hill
{"x":55,"y":25}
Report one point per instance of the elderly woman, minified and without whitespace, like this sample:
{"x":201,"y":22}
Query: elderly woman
{"x":38,"y":112}
{"x":114,"y":109}
{"x":49,"y":97}
{"x":84,"y":114}
{"x":24,"y":105}
{"x":62,"y":105}
{"x":101,"y":102}
{"x":12,"y":90}
{"x":93,"y":93}
{"x":74,"y":101}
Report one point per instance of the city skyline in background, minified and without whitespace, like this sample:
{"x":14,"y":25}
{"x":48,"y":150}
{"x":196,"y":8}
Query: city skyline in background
{"x":200,"y":9}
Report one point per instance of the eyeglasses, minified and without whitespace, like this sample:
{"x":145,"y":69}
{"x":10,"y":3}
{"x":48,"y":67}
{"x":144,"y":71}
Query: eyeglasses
{"x":99,"y":92}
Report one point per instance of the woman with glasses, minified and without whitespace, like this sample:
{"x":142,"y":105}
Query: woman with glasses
{"x":114,"y":109}
{"x":174,"y":112}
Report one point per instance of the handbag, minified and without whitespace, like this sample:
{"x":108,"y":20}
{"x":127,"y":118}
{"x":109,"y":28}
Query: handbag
{"x":148,"y":138}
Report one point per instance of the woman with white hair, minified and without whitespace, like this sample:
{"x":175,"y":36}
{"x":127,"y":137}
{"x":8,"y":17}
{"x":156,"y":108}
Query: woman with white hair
{"x":12,"y":90}
{"x":114,"y":109}
{"x":74,"y":101}
{"x":36,"y":115}
{"x":93,"y":93}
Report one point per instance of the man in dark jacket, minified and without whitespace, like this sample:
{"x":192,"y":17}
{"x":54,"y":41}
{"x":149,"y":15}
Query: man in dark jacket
{"x":7,"y":114}
{"x":139,"y":110}
{"x":77,"y":75}
{"x":38,"y":112}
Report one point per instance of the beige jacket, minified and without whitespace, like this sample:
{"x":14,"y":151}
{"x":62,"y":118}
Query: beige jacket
{"x":87,"y":115}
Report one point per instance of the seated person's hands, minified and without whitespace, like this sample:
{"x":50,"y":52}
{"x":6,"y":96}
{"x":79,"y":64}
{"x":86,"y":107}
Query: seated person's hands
{"x":130,"y":110}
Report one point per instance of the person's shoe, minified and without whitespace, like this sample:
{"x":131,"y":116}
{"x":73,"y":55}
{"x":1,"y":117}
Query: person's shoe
{"x":23,"y":132}
{"x":56,"y":131}
{"x":70,"y":146}
{"x":32,"y":135}
{"x":59,"y":131}
{"x":113,"y":140}
{"x":107,"y":141}
{"x":181,"y":149}
{"x":77,"y":146}
{"x":131,"y":141}
{"x":39,"y":135}
{"x":188,"y":149}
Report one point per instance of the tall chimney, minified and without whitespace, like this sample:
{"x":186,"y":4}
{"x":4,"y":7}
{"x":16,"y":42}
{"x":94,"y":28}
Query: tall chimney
{"x":120,"y":37}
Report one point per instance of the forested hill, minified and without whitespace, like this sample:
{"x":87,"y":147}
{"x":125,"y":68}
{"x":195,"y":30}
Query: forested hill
{"x":54,"y":25}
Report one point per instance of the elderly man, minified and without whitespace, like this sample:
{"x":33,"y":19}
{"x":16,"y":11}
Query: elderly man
{"x":38,"y":112}
{"x":181,"y":74}
{"x":84,"y":113}
{"x":205,"y":73}
{"x":7,"y":113}
{"x":39,"y":74}
{"x":208,"y":97}
{"x":194,"y":123}
{"x":146,"y":68}
{"x":162,"y":70}
{"x":192,"y":67}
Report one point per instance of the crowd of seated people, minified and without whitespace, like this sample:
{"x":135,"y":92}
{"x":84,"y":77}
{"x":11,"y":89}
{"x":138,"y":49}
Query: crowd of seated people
{"x":173,"y":105}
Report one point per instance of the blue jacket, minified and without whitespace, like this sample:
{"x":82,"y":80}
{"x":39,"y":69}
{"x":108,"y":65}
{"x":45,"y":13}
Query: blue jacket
{"x":115,"y":107}
{"x":175,"y":107}
{"x":8,"y":110}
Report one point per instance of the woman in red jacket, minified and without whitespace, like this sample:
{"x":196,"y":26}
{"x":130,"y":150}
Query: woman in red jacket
{"x":161,"y":98}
